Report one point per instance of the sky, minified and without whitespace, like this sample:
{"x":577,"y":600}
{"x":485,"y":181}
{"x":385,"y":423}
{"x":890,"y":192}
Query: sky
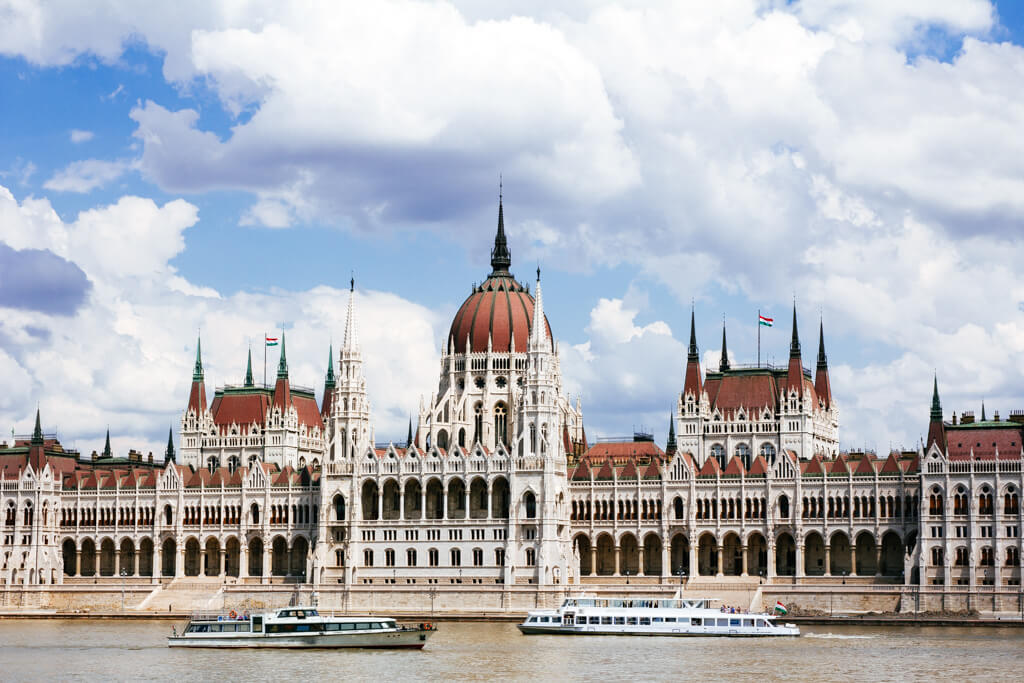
{"x":224,"y":167}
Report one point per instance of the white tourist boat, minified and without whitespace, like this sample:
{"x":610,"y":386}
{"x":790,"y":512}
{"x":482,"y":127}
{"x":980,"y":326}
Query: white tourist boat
{"x":298,"y":627}
{"x":650,"y":617}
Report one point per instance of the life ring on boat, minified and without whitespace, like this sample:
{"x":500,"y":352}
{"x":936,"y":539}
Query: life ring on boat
{"x":233,"y":614}
{"x":427,"y":626}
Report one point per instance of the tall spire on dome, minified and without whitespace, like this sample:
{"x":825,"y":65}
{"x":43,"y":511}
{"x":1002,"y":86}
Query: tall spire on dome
{"x":282,"y":365}
{"x":351,"y":342}
{"x":248,"y":370}
{"x":723,"y":363}
{"x":37,"y":433}
{"x":501,"y":258}
{"x":197,"y":372}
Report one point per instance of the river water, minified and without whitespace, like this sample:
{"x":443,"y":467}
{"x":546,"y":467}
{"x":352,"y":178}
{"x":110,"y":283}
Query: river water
{"x":137,"y":650}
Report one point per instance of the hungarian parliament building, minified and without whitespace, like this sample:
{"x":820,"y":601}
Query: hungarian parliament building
{"x":498,"y":484}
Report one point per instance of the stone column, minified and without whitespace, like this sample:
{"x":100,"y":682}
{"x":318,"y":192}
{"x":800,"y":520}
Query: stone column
{"x":223,"y":568}
{"x":423,"y":501}
{"x":618,"y":552}
{"x":179,"y":567}
{"x":135,"y":563}
{"x":444,"y":502}
{"x":853,"y":560}
{"x":799,"y":569}
{"x":158,"y":562}
{"x":878,"y":560}
{"x":267,"y":553}
{"x":380,"y":504}
{"x":718,"y":553}
{"x":117,"y":561}
{"x":401,"y":502}
{"x":769,"y":571}
{"x":593,"y":560}
{"x":640,"y":561}
{"x":78,"y":562}
{"x":828,"y":559}
{"x":692,"y":552}
{"x":465,"y":502}
{"x":243,"y":561}
{"x":666,"y":560}
{"x":204,"y":562}
{"x":744,"y":551}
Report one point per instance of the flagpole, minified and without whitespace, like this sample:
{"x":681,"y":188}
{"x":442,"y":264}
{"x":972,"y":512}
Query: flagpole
{"x":264,"y":359}
{"x":759,"y":337}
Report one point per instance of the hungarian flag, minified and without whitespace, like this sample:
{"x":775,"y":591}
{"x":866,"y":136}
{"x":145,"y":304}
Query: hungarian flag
{"x":764,"y":320}
{"x":271,"y":341}
{"x":780,"y":608}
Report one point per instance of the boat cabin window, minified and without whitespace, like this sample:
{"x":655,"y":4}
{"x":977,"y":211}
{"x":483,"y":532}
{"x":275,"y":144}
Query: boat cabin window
{"x":748,"y":622}
{"x":620,"y":621}
{"x":697,"y":621}
{"x":645,"y":621}
{"x":257,"y":624}
{"x":545,"y":620}
{"x":595,"y":620}
{"x":606,"y":620}
{"x":631,"y":621}
{"x":760,"y":623}
{"x":667,"y":619}
{"x":723,"y":622}
{"x":734,"y":622}
{"x":556,"y":620}
{"x":658,"y":620}
{"x":531,"y":620}
{"x":581,"y":620}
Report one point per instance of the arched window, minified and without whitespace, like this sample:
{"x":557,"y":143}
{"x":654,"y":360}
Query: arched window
{"x":462,"y":437}
{"x":339,"y":507}
{"x":500,"y":424}
{"x":442,"y":439}
{"x":784,"y":506}
{"x":677,"y":504}
{"x":743,"y":453}
{"x":767,"y":451}
{"x":530,"y":503}
{"x":478,"y":423}
{"x":212,"y":463}
{"x":718,"y":453}
{"x":254,"y":511}
{"x":543,"y":438}
{"x":533,"y":438}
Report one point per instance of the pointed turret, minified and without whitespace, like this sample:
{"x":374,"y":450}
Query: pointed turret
{"x":983,"y":418}
{"x":501,"y":258}
{"x":37,"y":433}
{"x":329,"y":383}
{"x":670,"y":446}
{"x":248,"y":370}
{"x":197,"y":394}
{"x":692,"y":382}
{"x":408,"y":438}
{"x":936,"y":429}
{"x":795,"y":375}
{"x":351,"y":341}
{"x":282,"y":363}
{"x":36,"y":449}
{"x":537,"y":332}
{"x":822,"y":386}
{"x":169,"y":451}
{"x":723,"y":363}
{"x":282,"y":389}
{"x":107,"y":452}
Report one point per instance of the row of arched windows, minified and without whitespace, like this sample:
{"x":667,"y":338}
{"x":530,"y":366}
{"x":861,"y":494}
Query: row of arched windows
{"x":728,"y":508}
{"x":623,"y":509}
{"x":961,"y":502}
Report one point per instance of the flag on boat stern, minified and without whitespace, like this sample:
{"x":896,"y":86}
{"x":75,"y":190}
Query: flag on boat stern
{"x":271,"y":341}
{"x":765,"y":320}
{"x":780,"y":608}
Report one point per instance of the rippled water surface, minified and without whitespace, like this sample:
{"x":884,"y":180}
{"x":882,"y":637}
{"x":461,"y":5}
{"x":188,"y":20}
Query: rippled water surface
{"x":95,"y":650}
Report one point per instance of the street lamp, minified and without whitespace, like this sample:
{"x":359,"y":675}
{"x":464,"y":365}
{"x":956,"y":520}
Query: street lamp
{"x":682,"y":575}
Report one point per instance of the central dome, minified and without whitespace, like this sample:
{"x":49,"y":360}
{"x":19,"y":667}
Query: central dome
{"x":499,"y":309}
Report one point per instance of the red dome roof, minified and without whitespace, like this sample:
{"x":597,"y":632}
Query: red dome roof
{"x":501,"y":308}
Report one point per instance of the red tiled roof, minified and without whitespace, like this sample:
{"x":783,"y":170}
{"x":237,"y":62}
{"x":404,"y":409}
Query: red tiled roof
{"x":240,"y":409}
{"x":652,"y":471}
{"x":984,"y":442}
{"x":605,"y":472}
{"x":865,"y":466}
{"x":582,"y":472}
{"x":497,"y":309}
{"x":621,"y":450}
{"x":629,"y":471}
{"x":759,"y":467}
{"x":892,"y":465}
{"x":710,"y":468}
{"x":734,"y":467}
{"x":752,"y":392}
{"x":309,"y":413}
{"x":839,"y":465}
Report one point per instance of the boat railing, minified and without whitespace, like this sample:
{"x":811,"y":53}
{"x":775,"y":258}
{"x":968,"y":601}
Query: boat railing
{"x":220,"y":615}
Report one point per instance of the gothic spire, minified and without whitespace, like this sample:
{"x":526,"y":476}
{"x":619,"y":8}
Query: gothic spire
{"x":723,"y":364}
{"x":37,"y":433}
{"x":537,"y":333}
{"x":983,"y":419}
{"x":408,"y":438}
{"x":936,"y":413}
{"x":282,"y":365}
{"x":197,"y":372}
{"x":248,"y":370}
{"x":692,"y":356}
{"x":822,"y":358}
{"x":501,"y":258}
{"x":670,"y":446}
{"x":794,"y":346}
{"x":936,"y":428}
{"x":107,"y":452}
{"x":329,"y":381}
{"x":351,"y":341}
{"x":169,"y":453}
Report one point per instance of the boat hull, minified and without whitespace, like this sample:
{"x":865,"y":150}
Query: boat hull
{"x":414,"y":639}
{"x":531,"y":630}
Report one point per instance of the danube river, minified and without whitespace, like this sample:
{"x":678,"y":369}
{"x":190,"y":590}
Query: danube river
{"x":136,"y":650}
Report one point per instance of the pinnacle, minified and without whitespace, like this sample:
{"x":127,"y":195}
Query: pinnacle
{"x":723,"y":364}
{"x":693,"y":356}
{"x":794,"y":346}
{"x":501,"y":258}
{"x":197,"y":372}
{"x":282,"y":365}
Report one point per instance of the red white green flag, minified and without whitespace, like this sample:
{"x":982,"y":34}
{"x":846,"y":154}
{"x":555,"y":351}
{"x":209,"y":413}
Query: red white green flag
{"x":765,"y":320}
{"x":780,"y":608}
{"x":271,"y":341}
